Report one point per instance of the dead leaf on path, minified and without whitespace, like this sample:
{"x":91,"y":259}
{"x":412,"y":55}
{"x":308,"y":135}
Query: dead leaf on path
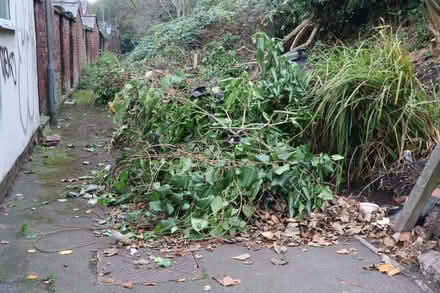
{"x":107,"y":281}
{"x":111,"y":252}
{"x":31,"y":276}
{"x":268,"y":235}
{"x":278,"y":261}
{"x":388,"y":269}
{"x":65,"y":252}
{"x":242,"y":257}
{"x":150,"y":284}
{"x":384,"y":268}
{"x":346,"y":251}
{"x":207,"y":288}
{"x":274,"y":219}
{"x":393,"y":272}
{"x":127,"y":285}
{"x":389,"y":242}
{"x":181,"y":280}
{"x":228,"y":281}
{"x":141,"y":262}
{"x":405,"y":236}
{"x":279,"y":249}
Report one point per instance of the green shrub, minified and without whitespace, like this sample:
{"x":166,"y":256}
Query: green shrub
{"x":202,"y":166}
{"x":219,"y":62}
{"x":108,"y":79}
{"x":87,"y":77}
{"x":368,"y":105}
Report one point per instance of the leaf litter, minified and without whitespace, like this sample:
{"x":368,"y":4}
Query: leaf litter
{"x":242,"y":257}
{"x":228,"y":281}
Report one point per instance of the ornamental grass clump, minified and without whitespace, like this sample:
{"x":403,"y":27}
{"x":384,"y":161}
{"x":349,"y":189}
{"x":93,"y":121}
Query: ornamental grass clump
{"x":368,"y":105}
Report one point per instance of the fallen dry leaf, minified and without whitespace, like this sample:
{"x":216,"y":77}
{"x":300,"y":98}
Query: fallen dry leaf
{"x":198,"y":256}
{"x":107,"y":281}
{"x":228,"y":281}
{"x":393,"y":272}
{"x":279,"y":249}
{"x":141,"y":262}
{"x":268,"y":235}
{"x":31,"y":276}
{"x":274,"y":219}
{"x":384,"y":268}
{"x":388,"y":269}
{"x":346,"y":251}
{"x":207,"y":288}
{"x":127,"y":285}
{"x":111,"y":252}
{"x":278,"y":261}
{"x":405,"y":236}
{"x":150,"y":284}
{"x":389,"y":242}
{"x":180,"y":280}
{"x":65,"y":252}
{"x":242,"y":257}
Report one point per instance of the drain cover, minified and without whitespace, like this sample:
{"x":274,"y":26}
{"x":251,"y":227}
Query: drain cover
{"x":122,"y":268}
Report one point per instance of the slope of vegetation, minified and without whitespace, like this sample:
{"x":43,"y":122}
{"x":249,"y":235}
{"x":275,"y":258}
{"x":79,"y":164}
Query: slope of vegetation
{"x":215,"y":123}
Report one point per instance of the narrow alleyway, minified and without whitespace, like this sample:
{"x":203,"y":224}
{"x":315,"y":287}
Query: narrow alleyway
{"x":37,"y":205}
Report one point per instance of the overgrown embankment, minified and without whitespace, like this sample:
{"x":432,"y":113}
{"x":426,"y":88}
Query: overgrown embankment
{"x":212,"y":135}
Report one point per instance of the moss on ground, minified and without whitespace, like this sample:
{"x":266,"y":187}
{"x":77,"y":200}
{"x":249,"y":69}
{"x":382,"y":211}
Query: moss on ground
{"x":84,"y":97}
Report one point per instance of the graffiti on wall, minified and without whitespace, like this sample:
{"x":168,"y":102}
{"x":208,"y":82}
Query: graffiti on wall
{"x":7,"y":64}
{"x":26,"y":65}
{"x":18,"y":67}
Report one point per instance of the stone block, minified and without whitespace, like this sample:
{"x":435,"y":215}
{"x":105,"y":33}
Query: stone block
{"x":430,"y":266}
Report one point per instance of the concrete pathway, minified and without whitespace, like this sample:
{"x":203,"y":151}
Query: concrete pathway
{"x":315,"y":270}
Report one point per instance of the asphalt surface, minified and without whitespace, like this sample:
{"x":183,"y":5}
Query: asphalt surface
{"x":308,"y":270}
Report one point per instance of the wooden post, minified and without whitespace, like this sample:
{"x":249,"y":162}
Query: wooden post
{"x":421,"y":193}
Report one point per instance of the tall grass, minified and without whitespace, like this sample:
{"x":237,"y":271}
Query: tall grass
{"x":368,"y":105}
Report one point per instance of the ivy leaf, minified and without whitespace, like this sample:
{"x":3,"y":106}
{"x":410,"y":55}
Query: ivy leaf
{"x":156,"y":206}
{"x":263,"y":158}
{"x":337,"y":157}
{"x":325,"y":194}
{"x":210,"y":175}
{"x":248,"y":176}
{"x":217,"y":204}
{"x":281,"y":170}
{"x":199,"y":224}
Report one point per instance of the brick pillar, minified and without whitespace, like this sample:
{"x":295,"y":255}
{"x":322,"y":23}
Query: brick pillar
{"x":42,"y":54}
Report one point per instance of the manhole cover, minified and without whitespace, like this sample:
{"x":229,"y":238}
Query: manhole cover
{"x":124,"y":267}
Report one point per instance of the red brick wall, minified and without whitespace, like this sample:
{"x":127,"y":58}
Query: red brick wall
{"x":82,"y":43}
{"x":93,"y":45}
{"x":41,"y":45}
{"x":70,"y":53}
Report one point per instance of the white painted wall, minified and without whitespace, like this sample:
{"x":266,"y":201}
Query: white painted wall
{"x":19,"y":108}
